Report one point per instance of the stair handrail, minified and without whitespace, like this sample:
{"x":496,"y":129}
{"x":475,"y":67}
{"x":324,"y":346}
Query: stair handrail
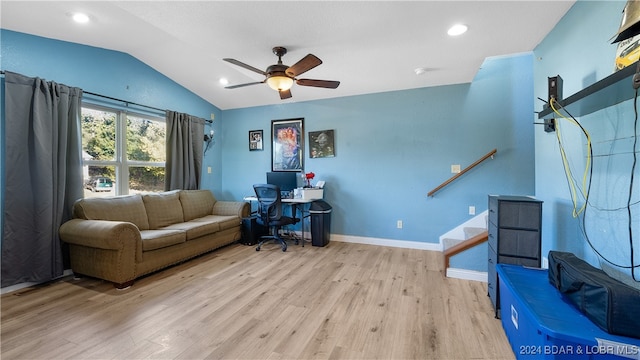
{"x":488,"y":155}
{"x":463,"y":246}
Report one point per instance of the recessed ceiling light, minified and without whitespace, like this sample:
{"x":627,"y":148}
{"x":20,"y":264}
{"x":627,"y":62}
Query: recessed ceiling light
{"x":224,"y":81}
{"x":420,"y":71}
{"x":457,"y":29}
{"x":80,"y":18}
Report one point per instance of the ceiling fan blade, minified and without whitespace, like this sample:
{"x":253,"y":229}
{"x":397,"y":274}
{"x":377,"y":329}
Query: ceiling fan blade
{"x":243,"y":85}
{"x":285,"y":94}
{"x":241,"y":64}
{"x":329,"y":84}
{"x":305,"y":64}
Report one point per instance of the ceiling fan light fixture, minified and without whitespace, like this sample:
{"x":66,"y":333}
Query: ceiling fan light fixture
{"x":280,"y":82}
{"x":281,"y":77}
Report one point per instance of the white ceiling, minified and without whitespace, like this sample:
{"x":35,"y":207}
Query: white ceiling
{"x":370,"y":46}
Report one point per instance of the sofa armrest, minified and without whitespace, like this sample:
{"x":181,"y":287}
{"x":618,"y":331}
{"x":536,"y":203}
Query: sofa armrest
{"x":238,"y":208}
{"x":102,"y":234}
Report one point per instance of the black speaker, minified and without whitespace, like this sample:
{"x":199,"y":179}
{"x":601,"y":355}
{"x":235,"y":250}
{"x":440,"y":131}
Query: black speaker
{"x":555,"y":93}
{"x":555,"y":88}
{"x":252,"y":231}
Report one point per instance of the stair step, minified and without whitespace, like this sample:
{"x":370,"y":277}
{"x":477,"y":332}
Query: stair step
{"x":448,"y":243}
{"x":470,"y":232}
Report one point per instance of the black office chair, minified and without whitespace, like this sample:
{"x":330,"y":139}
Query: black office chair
{"x":270,"y":213}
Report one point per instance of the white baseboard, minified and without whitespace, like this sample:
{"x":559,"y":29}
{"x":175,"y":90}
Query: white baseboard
{"x":467,"y":274}
{"x":386,"y":242}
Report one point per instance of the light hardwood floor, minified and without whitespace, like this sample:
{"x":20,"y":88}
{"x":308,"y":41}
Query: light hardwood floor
{"x":342,"y":301}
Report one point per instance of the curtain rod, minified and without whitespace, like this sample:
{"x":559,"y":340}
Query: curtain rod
{"x":132,"y":103}
{"x":2,"y":72}
{"x":124,"y":101}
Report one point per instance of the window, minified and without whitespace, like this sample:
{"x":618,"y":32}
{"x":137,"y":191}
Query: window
{"x":123,"y":153}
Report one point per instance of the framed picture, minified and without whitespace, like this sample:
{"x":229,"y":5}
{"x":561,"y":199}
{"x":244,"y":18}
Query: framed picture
{"x":321,"y":144}
{"x":255,"y":140}
{"x":287,"y":150}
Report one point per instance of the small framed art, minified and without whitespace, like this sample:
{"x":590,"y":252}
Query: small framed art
{"x":255,"y":140}
{"x":321,"y":144}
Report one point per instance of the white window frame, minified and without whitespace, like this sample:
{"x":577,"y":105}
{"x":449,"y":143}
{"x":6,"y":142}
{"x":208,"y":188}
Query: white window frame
{"x":121,"y":163}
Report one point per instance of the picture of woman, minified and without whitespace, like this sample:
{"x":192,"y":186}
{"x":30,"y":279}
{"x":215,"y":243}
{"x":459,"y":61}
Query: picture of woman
{"x":287,"y":145}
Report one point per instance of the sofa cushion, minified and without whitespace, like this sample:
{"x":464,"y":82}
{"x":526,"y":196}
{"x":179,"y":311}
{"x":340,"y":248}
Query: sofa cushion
{"x":225,"y":221}
{"x":196,"y":203}
{"x":158,"y":239}
{"x":195,"y":229}
{"x":163,"y":209}
{"x":128,"y":208}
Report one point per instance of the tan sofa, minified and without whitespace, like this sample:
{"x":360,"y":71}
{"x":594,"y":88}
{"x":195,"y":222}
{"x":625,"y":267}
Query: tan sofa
{"x":122,"y":238}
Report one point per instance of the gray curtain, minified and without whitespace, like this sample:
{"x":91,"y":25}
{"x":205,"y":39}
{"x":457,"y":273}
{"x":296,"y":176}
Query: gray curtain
{"x":185,"y":137}
{"x":43,"y":167}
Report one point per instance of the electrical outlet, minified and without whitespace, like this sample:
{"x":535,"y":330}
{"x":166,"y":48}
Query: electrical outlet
{"x":455,"y":169}
{"x":472,"y":210}
{"x":208,"y":169}
{"x":399,"y":224}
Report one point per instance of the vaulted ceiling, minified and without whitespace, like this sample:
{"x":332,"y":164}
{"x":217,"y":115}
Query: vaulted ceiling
{"x":369,"y":46}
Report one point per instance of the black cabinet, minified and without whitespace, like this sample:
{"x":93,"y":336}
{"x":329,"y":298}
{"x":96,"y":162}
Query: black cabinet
{"x":514,"y":236}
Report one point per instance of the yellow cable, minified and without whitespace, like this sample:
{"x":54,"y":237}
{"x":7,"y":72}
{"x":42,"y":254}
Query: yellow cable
{"x":566,"y":164}
{"x":585,"y":174}
{"x":567,"y":170}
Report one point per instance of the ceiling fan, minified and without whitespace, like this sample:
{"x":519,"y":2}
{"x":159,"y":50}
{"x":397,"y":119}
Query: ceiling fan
{"x":280,"y":77}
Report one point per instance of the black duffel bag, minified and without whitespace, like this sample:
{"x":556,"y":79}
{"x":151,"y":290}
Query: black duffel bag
{"x":609,"y":303}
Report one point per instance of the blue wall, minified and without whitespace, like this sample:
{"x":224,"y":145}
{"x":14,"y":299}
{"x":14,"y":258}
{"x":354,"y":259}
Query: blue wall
{"x":579,"y":49}
{"x":109,"y":73}
{"x":391,"y":148}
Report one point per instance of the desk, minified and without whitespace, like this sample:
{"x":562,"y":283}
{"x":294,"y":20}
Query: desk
{"x":296,"y":203}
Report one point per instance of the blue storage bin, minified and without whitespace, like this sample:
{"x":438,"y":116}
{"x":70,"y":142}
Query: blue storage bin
{"x":541,"y":324}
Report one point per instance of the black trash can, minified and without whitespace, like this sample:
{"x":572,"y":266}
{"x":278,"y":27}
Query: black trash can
{"x":252,"y":231}
{"x":320,"y":213}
